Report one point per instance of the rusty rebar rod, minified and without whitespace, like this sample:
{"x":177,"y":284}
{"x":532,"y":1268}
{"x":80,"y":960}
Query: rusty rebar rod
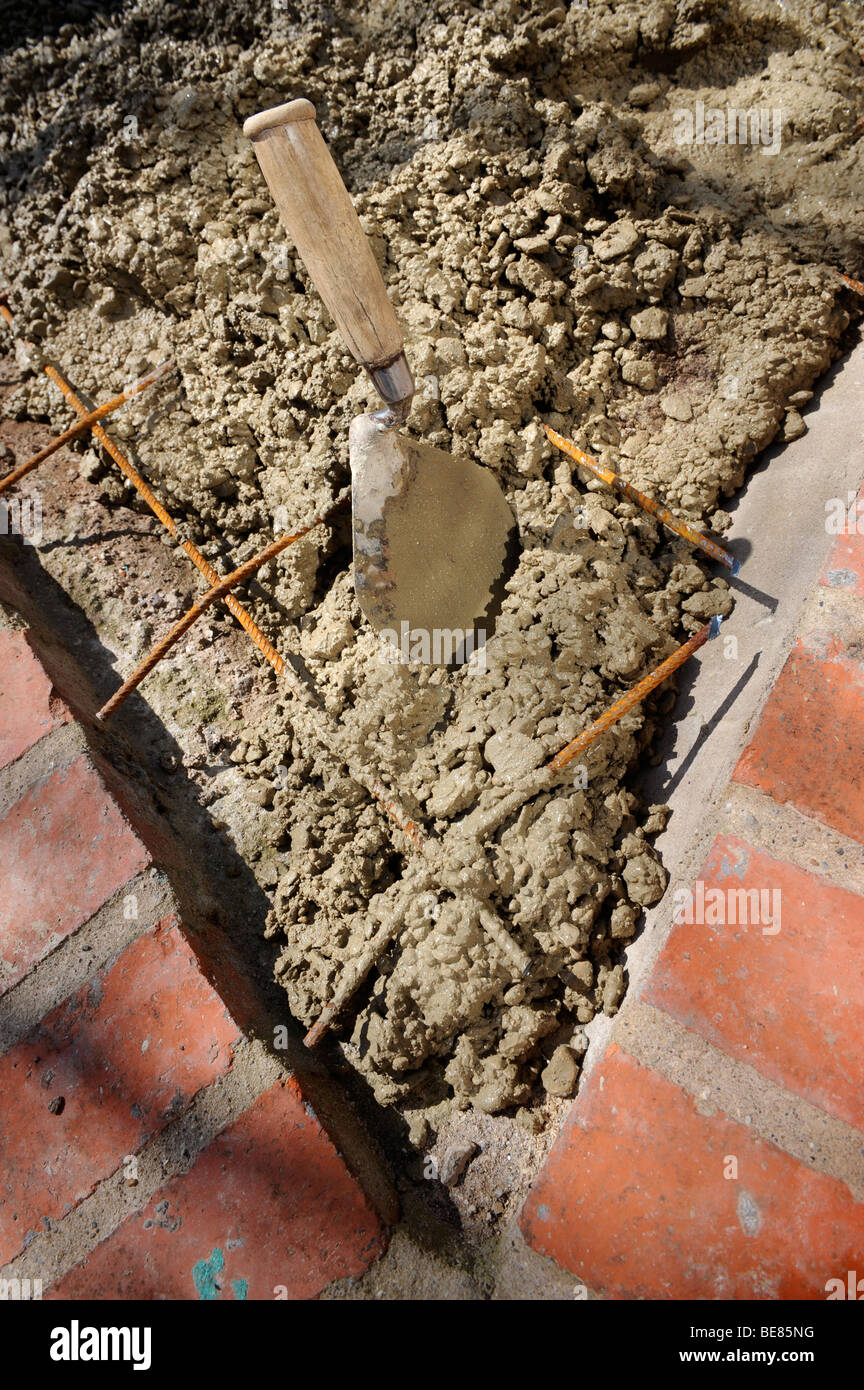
{"x":369,"y":781}
{"x":318,"y":720}
{"x":84,"y":424}
{"x":681,"y":528}
{"x":359,"y":968}
{"x":855,"y":285}
{"x":633,"y":697}
{"x":218,"y":591}
{"x":159,"y":511}
{"x":480,"y":824}
{"x":352,"y":979}
{"x":544,"y":778}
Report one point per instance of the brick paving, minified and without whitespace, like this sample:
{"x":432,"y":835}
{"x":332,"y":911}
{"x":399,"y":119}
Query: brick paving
{"x":269,"y":1207}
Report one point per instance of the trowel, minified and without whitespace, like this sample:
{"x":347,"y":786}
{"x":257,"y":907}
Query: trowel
{"x":431,"y":532}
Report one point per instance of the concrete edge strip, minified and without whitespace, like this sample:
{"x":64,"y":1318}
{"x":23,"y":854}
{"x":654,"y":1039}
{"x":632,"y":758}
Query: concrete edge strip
{"x":719,"y":1083}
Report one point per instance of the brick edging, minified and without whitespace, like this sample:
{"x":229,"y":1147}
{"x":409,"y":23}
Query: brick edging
{"x":128,"y":1057}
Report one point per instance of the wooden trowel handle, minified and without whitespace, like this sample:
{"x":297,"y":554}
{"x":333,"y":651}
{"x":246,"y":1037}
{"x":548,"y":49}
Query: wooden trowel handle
{"x":316,"y":208}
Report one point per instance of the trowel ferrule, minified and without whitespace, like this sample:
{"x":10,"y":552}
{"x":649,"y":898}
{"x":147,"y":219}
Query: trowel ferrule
{"x":395,"y":385}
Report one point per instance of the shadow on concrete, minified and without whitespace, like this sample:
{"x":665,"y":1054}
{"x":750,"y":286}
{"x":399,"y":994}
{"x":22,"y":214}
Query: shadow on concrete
{"x":661,"y":782}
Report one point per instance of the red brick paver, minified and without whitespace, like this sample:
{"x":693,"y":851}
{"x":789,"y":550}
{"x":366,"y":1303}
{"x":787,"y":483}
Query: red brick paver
{"x":845,"y":567}
{"x":65,"y":848}
{"x":809,"y":746}
{"x":111,"y":1066}
{"x":269,"y":1210}
{"x":785,"y":990}
{"x":635,"y":1200}
{"x":29,"y":707}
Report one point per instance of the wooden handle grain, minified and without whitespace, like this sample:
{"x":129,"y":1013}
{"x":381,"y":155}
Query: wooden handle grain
{"x":316,"y":208}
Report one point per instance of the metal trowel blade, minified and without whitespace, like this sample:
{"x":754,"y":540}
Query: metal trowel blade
{"x":432,"y":535}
